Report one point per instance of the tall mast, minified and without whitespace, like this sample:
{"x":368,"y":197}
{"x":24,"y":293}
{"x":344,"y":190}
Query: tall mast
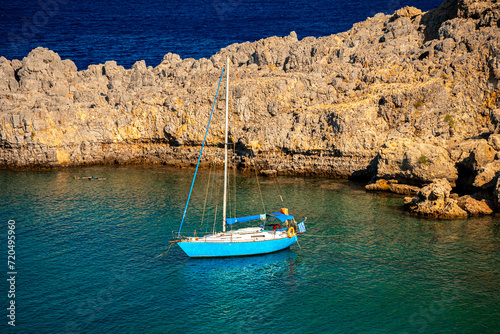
{"x":225,"y":150}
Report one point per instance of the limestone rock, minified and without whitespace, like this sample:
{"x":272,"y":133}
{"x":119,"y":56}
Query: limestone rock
{"x":474,"y":154}
{"x":392,"y":186}
{"x":494,"y":142}
{"x":268,"y":173}
{"x":487,"y":176}
{"x":486,"y":10}
{"x":379,"y":185}
{"x":44,"y":71}
{"x":473,"y":206}
{"x":472,"y":157}
{"x":408,"y":97}
{"x":496,"y":194}
{"x":434,"y":201}
{"x":8,"y":82}
{"x":415,"y":162}
{"x":407,"y":11}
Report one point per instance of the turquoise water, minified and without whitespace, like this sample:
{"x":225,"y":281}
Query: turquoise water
{"x":90,"y":259}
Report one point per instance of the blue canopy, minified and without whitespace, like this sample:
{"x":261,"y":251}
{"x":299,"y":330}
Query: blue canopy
{"x":281,"y":216}
{"x":278,"y":215}
{"x":231,"y":221}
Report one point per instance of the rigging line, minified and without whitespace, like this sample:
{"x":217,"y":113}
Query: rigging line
{"x":277,"y":185}
{"x":279,"y":189}
{"x":206,"y":197}
{"x":167,"y":250}
{"x":258,"y":184}
{"x":217,"y":202}
{"x":231,"y":196}
{"x":234,"y":180}
{"x":229,"y":207}
{"x":210,"y":176}
{"x":208,"y":186}
{"x":199,"y":158}
{"x":317,"y":236}
{"x":216,"y":179}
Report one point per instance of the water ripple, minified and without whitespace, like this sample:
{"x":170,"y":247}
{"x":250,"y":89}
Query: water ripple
{"x":91,"y":257}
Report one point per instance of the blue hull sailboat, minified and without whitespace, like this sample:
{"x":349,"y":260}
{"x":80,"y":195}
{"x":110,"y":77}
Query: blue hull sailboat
{"x":244,"y":241}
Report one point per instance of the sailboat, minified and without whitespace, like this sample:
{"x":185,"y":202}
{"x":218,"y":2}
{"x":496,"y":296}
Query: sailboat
{"x":261,"y":239}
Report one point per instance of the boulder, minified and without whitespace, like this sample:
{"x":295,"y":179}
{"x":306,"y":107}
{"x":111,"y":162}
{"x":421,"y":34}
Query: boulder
{"x":268,"y":173}
{"x":392,"y":186}
{"x":415,"y":163}
{"x":44,"y":71}
{"x":473,"y":154}
{"x":496,"y":194}
{"x":433,"y":201}
{"x":8,"y":82}
{"x":407,"y":11}
{"x":494,"y":141}
{"x":473,"y":206}
{"x":487,"y":176}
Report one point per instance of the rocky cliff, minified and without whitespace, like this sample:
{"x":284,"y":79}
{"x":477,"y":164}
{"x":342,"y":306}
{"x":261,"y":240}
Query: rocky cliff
{"x":409,"y":97}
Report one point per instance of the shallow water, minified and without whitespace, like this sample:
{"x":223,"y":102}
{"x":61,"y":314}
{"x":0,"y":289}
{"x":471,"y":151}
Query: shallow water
{"x":90,"y":258}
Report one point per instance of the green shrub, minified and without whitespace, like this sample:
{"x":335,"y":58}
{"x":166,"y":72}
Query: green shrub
{"x":418,"y":104}
{"x":422,"y":159}
{"x":449,"y":119}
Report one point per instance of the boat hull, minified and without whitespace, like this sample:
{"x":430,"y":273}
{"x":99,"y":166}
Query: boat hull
{"x":228,"y":249}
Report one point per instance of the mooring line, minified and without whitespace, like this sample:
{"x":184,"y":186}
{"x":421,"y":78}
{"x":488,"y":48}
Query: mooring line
{"x":316,"y":236}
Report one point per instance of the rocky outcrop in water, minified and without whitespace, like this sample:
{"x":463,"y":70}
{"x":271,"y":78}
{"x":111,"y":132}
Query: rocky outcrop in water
{"x":434,"y":201}
{"x":410,"y":97}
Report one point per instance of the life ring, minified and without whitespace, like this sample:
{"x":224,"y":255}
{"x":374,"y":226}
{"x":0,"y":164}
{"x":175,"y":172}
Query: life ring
{"x":276,"y":227}
{"x":291,"y":232}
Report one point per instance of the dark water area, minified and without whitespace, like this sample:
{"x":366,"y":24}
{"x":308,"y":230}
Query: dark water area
{"x":90,"y":258}
{"x":92,"y":32}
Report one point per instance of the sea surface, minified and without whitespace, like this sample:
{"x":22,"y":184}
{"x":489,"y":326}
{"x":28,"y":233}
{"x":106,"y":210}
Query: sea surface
{"x":94,"y":257}
{"x":91,"y":257}
{"x":92,"y":32}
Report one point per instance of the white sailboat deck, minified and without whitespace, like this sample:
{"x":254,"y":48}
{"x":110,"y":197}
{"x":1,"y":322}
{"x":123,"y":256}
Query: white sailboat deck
{"x":250,"y":234}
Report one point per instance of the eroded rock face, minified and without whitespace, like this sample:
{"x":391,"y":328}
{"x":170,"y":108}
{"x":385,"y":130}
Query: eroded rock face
{"x":496,"y":195}
{"x":415,"y":162}
{"x":434,"y":201}
{"x":487,"y":176}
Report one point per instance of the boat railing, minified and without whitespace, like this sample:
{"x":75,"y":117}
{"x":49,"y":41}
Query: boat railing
{"x":184,"y":235}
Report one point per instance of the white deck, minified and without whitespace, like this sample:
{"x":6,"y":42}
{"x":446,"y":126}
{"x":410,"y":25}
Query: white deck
{"x":241,"y":235}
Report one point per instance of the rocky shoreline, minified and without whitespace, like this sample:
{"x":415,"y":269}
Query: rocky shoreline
{"x":409,"y":101}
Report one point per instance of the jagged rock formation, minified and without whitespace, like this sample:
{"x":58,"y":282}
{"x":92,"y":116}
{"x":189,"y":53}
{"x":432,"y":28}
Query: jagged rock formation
{"x":434,"y":201}
{"x":409,"y":97}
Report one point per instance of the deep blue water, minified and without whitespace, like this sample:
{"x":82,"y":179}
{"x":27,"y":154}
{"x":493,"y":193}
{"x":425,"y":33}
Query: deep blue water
{"x":92,"y":32}
{"x":90,"y":258}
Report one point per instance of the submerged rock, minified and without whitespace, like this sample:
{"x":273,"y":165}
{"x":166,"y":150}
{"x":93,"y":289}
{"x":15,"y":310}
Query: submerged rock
{"x":392,"y":186}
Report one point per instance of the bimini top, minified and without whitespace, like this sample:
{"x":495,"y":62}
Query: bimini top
{"x":278,"y":215}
